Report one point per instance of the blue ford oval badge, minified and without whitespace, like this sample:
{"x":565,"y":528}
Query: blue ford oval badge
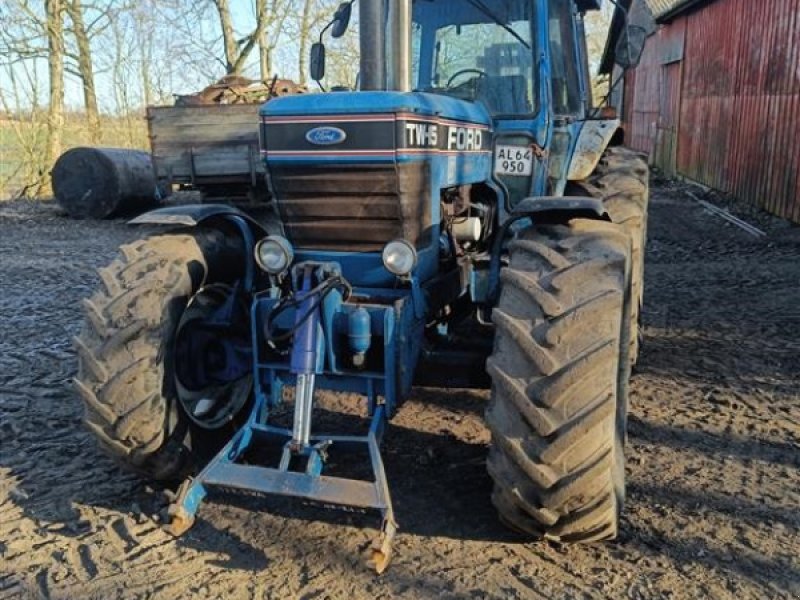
{"x":325,"y":136}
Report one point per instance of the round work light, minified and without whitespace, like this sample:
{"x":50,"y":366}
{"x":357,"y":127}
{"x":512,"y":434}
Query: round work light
{"x":274,"y":254}
{"x":399,"y":257}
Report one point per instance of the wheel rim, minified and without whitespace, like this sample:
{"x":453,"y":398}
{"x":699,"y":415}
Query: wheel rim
{"x":213,"y":356}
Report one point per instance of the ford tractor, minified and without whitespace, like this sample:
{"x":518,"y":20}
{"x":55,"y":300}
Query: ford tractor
{"x":464,"y":218}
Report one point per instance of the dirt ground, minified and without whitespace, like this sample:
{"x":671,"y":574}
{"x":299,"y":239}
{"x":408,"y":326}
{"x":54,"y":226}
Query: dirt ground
{"x":713,"y":457}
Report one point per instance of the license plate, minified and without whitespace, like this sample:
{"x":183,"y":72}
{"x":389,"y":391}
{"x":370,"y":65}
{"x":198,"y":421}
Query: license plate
{"x":513,"y":160}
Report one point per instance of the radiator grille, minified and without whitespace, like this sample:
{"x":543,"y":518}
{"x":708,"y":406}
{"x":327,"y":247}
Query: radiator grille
{"x":353,"y":207}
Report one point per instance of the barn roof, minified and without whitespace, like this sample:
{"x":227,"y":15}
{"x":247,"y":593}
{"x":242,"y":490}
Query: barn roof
{"x":659,"y":7}
{"x":666,"y":9}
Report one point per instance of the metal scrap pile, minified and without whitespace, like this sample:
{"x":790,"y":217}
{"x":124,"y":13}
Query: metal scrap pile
{"x":235,"y":89}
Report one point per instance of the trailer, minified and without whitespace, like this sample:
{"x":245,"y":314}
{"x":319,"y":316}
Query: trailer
{"x":207,"y":142}
{"x":211,"y":148}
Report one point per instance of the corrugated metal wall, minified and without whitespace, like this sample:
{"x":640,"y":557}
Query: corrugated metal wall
{"x":717,"y":99}
{"x":653,"y":97}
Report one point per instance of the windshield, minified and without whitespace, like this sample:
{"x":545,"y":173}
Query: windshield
{"x":476,"y":50}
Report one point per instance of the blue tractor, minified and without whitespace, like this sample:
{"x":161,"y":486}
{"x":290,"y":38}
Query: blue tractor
{"x":464,"y":218}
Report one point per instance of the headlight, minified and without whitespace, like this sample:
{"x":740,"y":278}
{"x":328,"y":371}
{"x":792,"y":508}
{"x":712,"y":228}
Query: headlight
{"x":399,"y":257}
{"x":274,"y":254}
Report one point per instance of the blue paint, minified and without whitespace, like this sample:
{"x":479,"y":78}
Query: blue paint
{"x":304,"y":348}
{"x":358,"y":330}
{"x":365,"y":269}
{"x":273,"y":372}
{"x":367,"y":103}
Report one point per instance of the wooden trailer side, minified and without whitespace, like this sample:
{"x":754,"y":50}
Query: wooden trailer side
{"x":210,"y":147}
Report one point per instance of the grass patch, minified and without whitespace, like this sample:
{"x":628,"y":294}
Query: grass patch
{"x":23,"y":140}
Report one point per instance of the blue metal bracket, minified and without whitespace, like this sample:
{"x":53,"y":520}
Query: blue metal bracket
{"x":417,"y":297}
{"x":300,"y":469}
{"x":311,"y":484}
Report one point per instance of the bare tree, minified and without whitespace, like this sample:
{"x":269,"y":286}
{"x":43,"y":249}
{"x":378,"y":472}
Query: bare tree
{"x":342,"y":61}
{"x":123,"y":71}
{"x":145,"y":59}
{"x":54,"y":26}
{"x":264,"y":53}
{"x":273,"y":23}
{"x":85,"y":68}
{"x":36,"y":35}
{"x":143,"y":31}
{"x":23,"y":51}
{"x":228,"y":34}
{"x":25,"y":166}
{"x":237,"y":52}
{"x":305,"y":33}
{"x":178,"y":46}
{"x":116,"y":56}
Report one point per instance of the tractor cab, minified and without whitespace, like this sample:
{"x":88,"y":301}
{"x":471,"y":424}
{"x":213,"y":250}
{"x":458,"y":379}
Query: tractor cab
{"x":524,"y":62}
{"x":465,"y":50}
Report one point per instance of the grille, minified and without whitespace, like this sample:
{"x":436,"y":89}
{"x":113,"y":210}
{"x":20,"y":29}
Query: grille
{"x":353,"y":207}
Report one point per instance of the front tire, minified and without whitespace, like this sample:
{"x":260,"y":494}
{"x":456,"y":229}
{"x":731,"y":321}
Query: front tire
{"x":126,"y":367}
{"x":557,"y":408}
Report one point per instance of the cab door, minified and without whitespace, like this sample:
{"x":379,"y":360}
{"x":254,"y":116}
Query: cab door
{"x":568,"y":88}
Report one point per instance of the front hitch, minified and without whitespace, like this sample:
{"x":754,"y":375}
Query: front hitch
{"x":300,"y":470}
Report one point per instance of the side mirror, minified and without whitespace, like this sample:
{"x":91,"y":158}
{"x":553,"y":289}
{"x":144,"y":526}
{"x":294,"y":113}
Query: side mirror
{"x":316,"y":64}
{"x":630,"y":46}
{"x":341,"y":19}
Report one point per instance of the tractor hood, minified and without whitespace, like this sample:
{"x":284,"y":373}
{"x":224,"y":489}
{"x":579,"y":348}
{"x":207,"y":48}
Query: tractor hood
{"x":351,"y":171}
{"x":354,"y":104}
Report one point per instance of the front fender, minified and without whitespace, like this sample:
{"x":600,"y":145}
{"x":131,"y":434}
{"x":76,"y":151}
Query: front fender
{"x":193,"y":215}
{"x":593,"y":140}
{"x":571,"y":205}
{"x":541,"y":209}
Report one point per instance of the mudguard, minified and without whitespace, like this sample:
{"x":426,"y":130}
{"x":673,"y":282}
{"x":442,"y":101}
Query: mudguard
{"x":192,"y":215}
{"x":593,"y":139}
{"x":540,"y":209}
{"x":578,"y":205}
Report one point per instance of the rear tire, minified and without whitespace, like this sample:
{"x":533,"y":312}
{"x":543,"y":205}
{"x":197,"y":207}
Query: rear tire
{"x":621,"y":180}
{"x":557,"y":407}
{"x":125,"y":364}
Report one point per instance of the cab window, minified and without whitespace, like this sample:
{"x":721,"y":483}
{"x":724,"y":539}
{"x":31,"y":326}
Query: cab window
{"x":478,"y":51}
{"x":563,"y":59}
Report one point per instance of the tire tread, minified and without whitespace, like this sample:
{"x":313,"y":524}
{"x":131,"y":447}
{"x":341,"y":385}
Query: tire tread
{"x":555,"y":380}
{"x":121,"y":351}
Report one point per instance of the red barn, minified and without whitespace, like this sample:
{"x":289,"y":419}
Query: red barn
{"x":716,"y":97}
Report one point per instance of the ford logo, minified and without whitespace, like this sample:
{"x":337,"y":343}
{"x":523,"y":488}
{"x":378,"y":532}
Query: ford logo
{"x":325,"y":136}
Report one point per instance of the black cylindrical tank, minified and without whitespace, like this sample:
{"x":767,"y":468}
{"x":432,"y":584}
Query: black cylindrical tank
{"x":101,"y":182}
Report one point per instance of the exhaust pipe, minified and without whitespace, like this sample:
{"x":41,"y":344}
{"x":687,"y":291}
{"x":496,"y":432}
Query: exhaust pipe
{"x":385,"y":40}
{"x":398,"y":46}
{"x":371,"y":42}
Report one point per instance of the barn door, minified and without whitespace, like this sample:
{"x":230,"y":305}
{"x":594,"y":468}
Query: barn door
{"x":666,"y":146}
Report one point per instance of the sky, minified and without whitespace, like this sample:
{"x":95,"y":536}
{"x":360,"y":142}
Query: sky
{"x":182,"y":82}
{"x":185,"y":81}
